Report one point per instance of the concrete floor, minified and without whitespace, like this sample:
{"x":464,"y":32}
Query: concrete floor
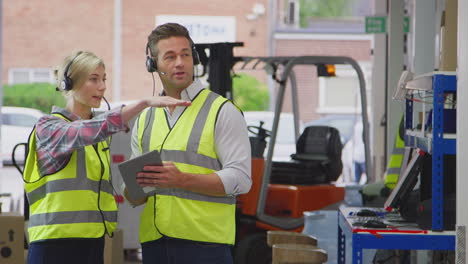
{"x":131,"y":257}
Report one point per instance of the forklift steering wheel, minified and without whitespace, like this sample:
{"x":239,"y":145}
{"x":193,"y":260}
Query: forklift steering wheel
{"x":259,"y":131}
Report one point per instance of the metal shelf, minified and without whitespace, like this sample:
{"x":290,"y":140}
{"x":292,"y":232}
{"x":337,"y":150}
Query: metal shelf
{"x":436,"y":141}
{"x":405,"y":238}
{"x":423,"y":141}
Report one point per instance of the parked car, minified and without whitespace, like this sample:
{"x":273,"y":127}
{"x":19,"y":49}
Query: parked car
{"x":285,"y":140}
{"x":345,"y":125}
{"x":17,"y":124}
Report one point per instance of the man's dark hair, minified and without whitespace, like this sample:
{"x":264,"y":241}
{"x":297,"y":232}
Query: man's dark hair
{"x":166,"y":31}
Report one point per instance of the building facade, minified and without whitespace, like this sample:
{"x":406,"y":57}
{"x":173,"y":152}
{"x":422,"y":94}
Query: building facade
{"x":37,"y":35}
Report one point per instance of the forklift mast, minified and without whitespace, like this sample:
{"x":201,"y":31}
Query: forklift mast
{"x":218,"y":65}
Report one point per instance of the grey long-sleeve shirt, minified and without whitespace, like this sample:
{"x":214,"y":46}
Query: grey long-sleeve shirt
{"x":231,"y":143}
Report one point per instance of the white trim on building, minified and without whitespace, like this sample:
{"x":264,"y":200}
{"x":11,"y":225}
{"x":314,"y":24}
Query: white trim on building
{"x":30,"y":75}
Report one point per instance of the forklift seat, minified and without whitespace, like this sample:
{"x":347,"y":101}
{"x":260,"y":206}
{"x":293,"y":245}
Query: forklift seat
{"x":317,"y":159}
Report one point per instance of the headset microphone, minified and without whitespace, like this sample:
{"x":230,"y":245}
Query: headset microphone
{"x":107,"y":103}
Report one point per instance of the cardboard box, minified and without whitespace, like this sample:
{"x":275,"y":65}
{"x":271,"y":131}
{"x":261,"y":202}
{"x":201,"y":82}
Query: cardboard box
{"x":113,"y":250}
{"x":448,"y":37}
{"x":11,"y":238}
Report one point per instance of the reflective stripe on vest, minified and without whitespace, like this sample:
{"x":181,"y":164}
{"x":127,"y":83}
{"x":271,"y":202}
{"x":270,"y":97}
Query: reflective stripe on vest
{"x":394,"y":164}
{"x":190,"y":145}
{"x":65,"y":204}
{"x":184,"y":157}
{"x":81,"y":182}
{"x":71,"y":217}
{"x":194,"y":196}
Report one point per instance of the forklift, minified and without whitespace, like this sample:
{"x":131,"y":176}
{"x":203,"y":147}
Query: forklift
{"x":269,"y":205}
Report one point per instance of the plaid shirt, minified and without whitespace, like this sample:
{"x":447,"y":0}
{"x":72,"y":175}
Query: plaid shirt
{"x":58,"y":138}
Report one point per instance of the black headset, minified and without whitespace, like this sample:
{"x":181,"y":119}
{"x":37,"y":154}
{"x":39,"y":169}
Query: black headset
{"x":67,"y":82}
{"x":152,"y":66}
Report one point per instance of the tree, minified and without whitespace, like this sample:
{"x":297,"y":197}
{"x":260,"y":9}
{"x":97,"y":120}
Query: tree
{"x":323,"y":8}
{"x":249,"y":93}
{"x":33,"y":95}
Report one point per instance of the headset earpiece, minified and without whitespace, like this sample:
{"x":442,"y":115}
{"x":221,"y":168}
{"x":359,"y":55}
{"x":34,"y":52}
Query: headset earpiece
{"x":151,"y":65}
{"x":67,"y":83}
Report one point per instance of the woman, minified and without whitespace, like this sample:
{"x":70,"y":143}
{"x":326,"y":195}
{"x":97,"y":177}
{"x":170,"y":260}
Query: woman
{"x":67,"y":170}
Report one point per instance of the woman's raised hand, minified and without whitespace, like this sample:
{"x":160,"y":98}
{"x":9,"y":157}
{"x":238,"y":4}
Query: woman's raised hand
{"x":162,"y":101}
{"x":132,"y":110}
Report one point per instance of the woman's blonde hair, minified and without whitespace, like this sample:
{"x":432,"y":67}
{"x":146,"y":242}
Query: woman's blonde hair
{"x":80,"y":65}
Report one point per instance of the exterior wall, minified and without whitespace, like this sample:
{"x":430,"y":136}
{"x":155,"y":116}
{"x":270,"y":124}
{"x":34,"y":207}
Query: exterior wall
{"x":140,"y":20}
{"x":307,"y":80}
{"x":39,"y":34}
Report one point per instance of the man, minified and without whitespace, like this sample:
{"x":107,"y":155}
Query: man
{"x":207,"y":160}
{"x":359,"y":157}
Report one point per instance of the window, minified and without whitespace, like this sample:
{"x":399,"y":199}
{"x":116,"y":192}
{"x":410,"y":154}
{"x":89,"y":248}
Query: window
{"x":341,"y":94}
{"x":30,"y":75}
{"x":292,"y":13}
{"x":326,"y":16}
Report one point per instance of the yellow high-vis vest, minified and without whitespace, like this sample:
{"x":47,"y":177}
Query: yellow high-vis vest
{"x":190,"y":145}
{"x":395,"y":162}
{"x":75,"y":202}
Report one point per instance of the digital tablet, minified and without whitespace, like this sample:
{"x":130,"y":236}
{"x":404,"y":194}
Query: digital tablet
{"x":130,"y":168}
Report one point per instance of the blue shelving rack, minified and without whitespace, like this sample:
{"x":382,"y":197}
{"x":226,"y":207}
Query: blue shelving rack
{"x":438,"y":144}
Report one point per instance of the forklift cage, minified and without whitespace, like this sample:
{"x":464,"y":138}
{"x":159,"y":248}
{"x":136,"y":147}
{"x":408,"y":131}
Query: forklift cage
{"x":288,"y":64}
